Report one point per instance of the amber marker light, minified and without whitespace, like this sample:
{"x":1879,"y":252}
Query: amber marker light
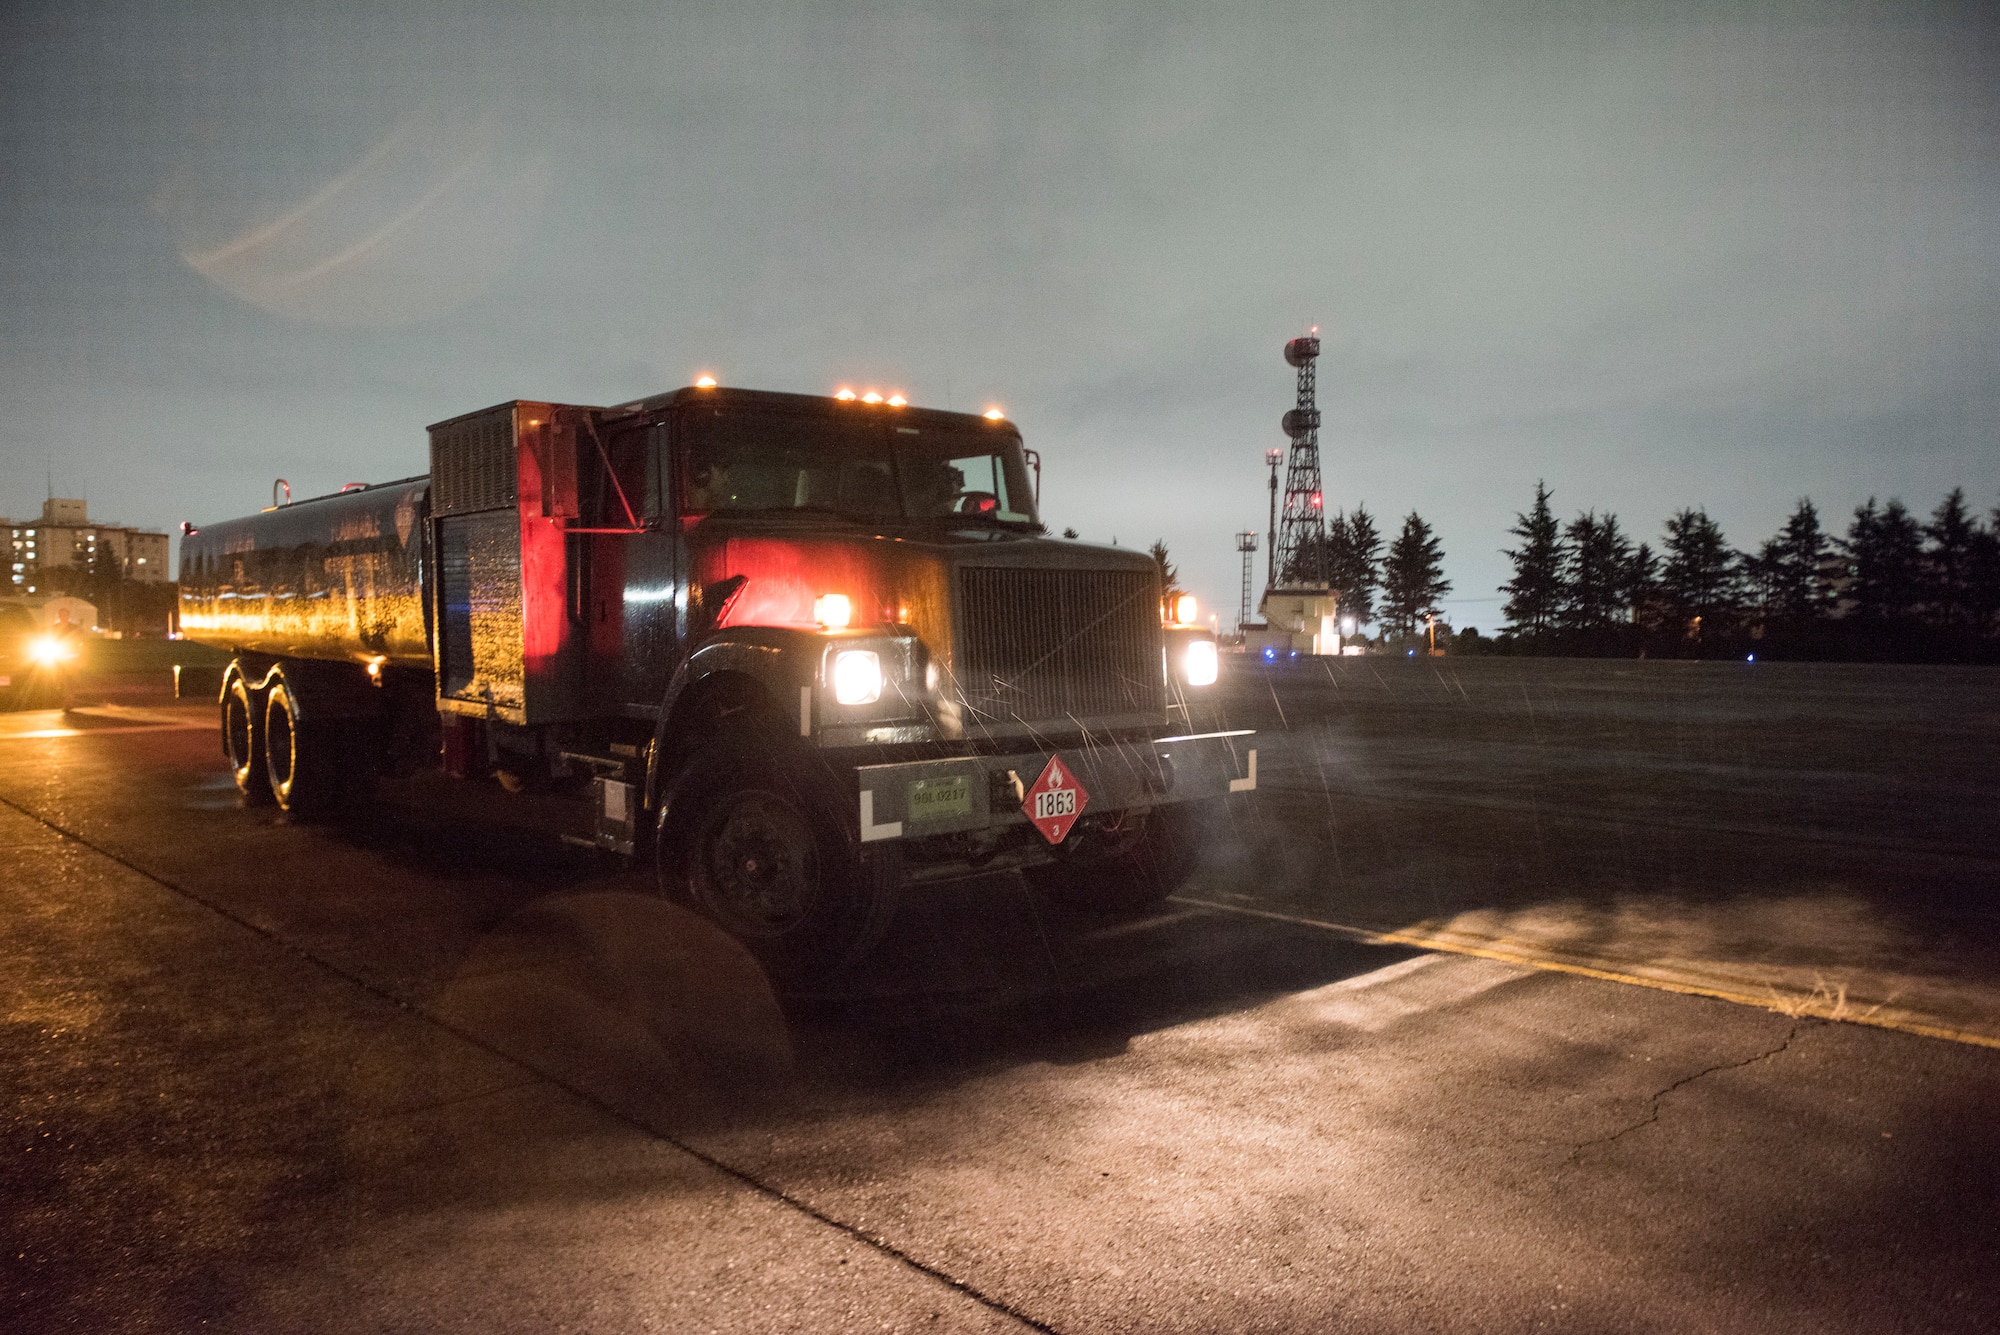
{"x":834,"y":611}
{"x":871,"y":397}
{"x":898,"y":401}
{"x":994,"y":414}
{"x":844,"y":394}
{"x":704,"y":382}
{"x":1184,"y":610}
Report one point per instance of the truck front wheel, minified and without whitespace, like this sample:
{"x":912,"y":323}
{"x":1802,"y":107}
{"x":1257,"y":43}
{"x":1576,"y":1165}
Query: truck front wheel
{"x":748,"y":843}
{"x":1133,"y":866}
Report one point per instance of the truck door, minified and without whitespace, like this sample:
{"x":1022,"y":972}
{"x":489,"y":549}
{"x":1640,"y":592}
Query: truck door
{"x":653,"y":580}
{"x":630,"y":570}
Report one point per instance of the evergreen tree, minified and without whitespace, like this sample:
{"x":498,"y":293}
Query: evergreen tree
{"x":1596,"y":571}
{"x":1534,"y":595}
{"x":1949,"y":575}
{"x":1699,"y":577}
{"x":1170,"y":578}
{"x":1642,"y":586}
{"x":1885,"y":550}
{"x":1985,"y":565}
{"x":1413,"y":582}
{"x":1789,"y":567}
{"x":1354,"y":563}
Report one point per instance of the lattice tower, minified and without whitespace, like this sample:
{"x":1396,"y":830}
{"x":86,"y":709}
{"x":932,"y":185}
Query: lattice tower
{"x":1300,"y":559}
{"x":1246,"y":543}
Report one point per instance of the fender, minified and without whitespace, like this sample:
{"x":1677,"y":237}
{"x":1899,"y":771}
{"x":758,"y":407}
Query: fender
{"x":318,"y":689}
{"x":782,"y":662}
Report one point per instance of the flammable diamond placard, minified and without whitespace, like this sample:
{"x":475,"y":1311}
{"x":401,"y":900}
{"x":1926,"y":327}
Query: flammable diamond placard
{"x":1054,"y":801}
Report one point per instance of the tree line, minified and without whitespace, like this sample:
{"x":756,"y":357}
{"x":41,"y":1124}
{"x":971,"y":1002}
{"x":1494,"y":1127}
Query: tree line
{"x":1892,"y":588}
{"x":1408,"y":577}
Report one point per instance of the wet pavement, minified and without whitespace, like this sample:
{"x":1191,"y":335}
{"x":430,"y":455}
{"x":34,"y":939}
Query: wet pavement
{"x":431,"y":1070}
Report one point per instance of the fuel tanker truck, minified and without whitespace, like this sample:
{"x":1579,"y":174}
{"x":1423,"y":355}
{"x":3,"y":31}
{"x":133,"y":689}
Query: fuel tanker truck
{"x":805,"y":652}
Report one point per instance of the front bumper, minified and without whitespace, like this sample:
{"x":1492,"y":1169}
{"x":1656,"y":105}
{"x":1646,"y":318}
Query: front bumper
{"x":1116,"y":776}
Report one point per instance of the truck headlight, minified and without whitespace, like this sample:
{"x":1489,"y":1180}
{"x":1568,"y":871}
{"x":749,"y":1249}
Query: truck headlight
{"x":1199,"y":665}
{"x":857,"y":677}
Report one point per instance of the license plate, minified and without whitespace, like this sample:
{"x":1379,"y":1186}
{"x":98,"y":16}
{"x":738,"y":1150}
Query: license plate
{"x":939,"y":799}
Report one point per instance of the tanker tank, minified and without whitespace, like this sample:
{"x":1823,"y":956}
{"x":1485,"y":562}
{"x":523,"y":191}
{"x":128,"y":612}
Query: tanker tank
{"x":342,"y":578}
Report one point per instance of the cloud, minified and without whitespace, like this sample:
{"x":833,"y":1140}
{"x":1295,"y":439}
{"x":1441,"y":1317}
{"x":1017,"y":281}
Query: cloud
{"x":419,"y":225}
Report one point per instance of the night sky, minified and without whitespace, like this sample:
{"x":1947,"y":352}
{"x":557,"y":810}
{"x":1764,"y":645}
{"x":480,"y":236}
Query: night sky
{"x":1660,"y":255}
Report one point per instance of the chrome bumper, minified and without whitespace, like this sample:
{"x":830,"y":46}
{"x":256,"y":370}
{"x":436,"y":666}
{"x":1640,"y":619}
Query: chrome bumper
{"x":1115,"y":776}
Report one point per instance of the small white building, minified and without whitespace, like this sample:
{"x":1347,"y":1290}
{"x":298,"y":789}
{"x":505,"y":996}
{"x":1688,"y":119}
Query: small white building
{"x":1295,"y":620}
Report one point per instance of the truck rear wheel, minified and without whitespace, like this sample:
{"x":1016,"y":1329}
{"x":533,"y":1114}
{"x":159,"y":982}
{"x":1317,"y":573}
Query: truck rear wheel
{"x":1129,"y":869}
{"x":243,"y":741}
{"x":304,"y":765}
{"x":751,"y":845}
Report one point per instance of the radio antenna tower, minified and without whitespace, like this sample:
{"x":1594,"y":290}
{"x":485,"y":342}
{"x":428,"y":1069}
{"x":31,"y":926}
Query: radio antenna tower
{"x":1299,"y":562}
{"x":1246,"y":543}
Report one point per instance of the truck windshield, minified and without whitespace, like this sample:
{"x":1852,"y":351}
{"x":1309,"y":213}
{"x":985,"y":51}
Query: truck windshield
{"x":864,"y":471}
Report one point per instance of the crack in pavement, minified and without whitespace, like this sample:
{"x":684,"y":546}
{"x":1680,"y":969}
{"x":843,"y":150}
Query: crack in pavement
{"x":1653,"y":1108}
{"x":758,"y":1185}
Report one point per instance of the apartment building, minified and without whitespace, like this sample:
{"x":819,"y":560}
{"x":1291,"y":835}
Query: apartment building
{"x":65,"y":539}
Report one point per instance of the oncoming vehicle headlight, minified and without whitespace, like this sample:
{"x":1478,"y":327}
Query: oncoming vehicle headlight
{"x":857,"y":677}
{"x":49,"y":650}
{"x":1199,"y":665}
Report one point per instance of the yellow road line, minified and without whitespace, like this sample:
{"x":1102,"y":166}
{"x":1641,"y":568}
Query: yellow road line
{"x":1827,"y":1009}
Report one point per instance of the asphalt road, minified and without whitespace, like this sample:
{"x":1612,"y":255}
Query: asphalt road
{"x":1376,"y":1071}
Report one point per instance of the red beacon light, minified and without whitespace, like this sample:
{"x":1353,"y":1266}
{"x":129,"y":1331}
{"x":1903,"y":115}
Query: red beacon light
{"x":1318,"y":501}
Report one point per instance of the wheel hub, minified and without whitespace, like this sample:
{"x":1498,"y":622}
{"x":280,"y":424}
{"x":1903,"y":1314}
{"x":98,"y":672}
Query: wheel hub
{"x":760,"y":873}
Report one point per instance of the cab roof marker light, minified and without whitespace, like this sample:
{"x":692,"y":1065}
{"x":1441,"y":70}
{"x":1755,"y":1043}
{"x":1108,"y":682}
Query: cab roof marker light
{"x":871,"y":397}
{"x":898,"y":401}
{"x":844,"y":394}
{"x":994,"y":414}
{"x":704,"y":382}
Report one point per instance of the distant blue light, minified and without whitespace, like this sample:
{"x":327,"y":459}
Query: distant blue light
{"x":1270,"y":654}
{"x":1295,"y":653}
{"x":1751,"y":659}
{"x":1410,"y":653}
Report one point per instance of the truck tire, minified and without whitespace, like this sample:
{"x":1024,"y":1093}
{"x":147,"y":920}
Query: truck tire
{"x":1130,"y":870}
{"x":304,"y":764}
{"x":749,"y":841}
{"x":243,"y":741}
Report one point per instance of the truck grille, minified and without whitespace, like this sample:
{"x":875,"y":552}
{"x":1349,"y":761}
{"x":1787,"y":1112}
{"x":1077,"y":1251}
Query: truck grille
{"x":1050,"y":644}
